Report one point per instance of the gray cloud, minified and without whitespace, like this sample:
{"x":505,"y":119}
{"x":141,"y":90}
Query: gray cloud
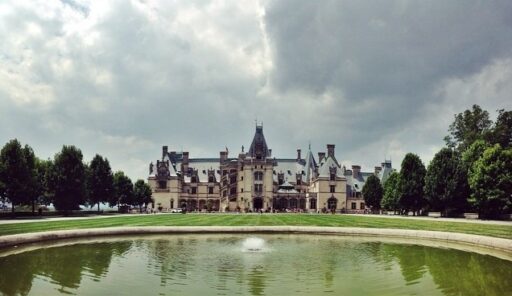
{"x":124,"y":78}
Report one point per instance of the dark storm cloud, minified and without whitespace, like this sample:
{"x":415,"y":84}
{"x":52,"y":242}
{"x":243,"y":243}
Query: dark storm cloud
{"x":123,"y":78}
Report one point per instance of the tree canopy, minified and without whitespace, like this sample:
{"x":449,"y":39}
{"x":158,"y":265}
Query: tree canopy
{"x":468,"y":126}
{"x":123,"y":188}
{"x":142,"y":193}
{"x":14,"y":173}
{"x":411,"y":183}
{"x":372,"y":192}
{"x":446,"y":187}
{"x":69,"y":181}
{"x":391,"y":198}
{"x":100,"y":183}
{"x":491,"y":182}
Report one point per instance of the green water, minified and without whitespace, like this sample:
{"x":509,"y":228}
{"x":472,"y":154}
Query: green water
{"x":218,"y":265}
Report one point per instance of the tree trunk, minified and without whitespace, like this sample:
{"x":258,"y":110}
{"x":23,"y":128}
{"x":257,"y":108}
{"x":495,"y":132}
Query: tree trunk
{"x":33,"y":207}
{"x":98,"y":206}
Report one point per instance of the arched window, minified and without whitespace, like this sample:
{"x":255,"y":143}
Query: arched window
{"x":332,"y":203}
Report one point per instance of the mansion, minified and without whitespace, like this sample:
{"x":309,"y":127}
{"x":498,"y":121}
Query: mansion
{"x":255,"y":181}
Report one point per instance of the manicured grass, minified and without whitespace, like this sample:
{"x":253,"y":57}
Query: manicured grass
{"x":504,"y":231}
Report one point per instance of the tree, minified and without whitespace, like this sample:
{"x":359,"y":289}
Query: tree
{"x":372,"y":192}
{"x":469,"y":126}
{"x":100,"y":185}
{"x":446,"y":186}
{"x":69,"y":179}
{"x":391,"y":198}
{"x":142,"y":194}
{"x":502,"y":130}
{"x":411,"y":183}
{"x":123,"y":189}
{"x":491,"y":182}
{"x":14,"y":173}
{"x":34,"y":184}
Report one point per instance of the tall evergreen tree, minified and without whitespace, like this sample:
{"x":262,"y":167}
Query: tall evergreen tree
{"x":69,"y":181}
{"x":14,"y":173}
{"x":100,"y":185}
{"x":469,"y":126}
{"x":123,"y":188}
{"x":491,"y":182}
{"x":372,"y":192}
{"x":411,"y":183}
{"x":391,"y":198}
{"x":142,"y":193}
{"x":446,"y":186}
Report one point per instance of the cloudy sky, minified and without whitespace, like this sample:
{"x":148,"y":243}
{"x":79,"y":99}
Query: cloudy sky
{"x":122,"y":78}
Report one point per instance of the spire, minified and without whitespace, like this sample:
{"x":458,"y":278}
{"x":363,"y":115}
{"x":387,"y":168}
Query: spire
{"x":259,"y":148}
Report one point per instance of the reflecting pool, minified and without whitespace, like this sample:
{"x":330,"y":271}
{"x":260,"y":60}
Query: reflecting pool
{"x":222,"y":265}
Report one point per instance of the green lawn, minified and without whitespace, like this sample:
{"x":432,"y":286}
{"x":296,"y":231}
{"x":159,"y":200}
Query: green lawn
{"x":504,"y":231}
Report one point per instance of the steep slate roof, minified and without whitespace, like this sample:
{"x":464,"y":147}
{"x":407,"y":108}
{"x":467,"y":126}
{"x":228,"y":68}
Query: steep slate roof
{"x":327,"y":163}
{"x":259,"y":143}
{"x":289,"y":167}
{"x":202,"y":165}
{"x":310,"y":166}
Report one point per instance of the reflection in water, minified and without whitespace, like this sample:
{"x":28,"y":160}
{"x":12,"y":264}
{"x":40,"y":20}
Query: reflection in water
{"x":215,"y":265}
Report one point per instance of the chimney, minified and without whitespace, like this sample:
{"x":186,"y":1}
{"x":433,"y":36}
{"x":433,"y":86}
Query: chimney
{"x":356,"y":170}
{"x":269,"y":152}
{"x":298,"y":154}
{"x":378,"y":169}
{"x":164,"y":151}
{"x":330,"y":150}
{"x":321,"y":156}
{"x":223,"y":156}
{"x":184,"y":164}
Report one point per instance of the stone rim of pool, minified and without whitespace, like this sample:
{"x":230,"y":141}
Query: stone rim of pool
{"x":491,"y":243}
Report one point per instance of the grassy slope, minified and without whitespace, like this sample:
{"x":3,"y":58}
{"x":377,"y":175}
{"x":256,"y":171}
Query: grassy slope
{"x":503,"y":231}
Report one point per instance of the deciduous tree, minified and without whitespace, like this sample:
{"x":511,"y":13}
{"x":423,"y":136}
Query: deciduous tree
{"x":142,"y":193}
{"x":14,"y":173}
{"x":491,"y":182}
{"x":123,"y":189}
{"x":69,"y":179}
{"x":391,"y":198}
{"x":469,"y":126}
{"x":100,"y":185}
{"x":446,"y":186}
{"x":411,"y":183}
{"x":372,"y":192}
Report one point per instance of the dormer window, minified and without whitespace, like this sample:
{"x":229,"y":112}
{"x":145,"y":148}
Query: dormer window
{"x":211,"y":179}
{"x":333,"y":177}
{"x":193,"y":179}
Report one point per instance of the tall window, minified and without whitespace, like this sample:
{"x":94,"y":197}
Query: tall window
{"x":353,"y":206}
{"x":312,"y":203}
{"x":258,"y":176}
{"x":162,"y":184}
{"x":194,"y":190}
{"x":333,"y":188}
{"x":362,"y":206}
{"x":210,"y":190}
{"x":258,"y":187}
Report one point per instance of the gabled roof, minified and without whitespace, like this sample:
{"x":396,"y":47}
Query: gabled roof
{"x":327,"y":163}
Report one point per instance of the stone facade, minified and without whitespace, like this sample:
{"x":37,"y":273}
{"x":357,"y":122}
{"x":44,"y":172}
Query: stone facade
{"x":257,"y":181}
